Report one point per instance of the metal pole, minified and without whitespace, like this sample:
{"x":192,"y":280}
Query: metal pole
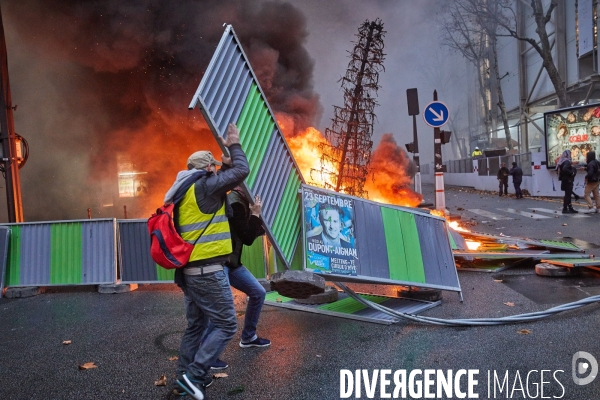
{"x":7,"y":135}
{"x":440,"y":197}
{"x":416,"y":156}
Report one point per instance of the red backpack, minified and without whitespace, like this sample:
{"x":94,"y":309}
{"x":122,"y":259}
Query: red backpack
{"x":167,"y":248}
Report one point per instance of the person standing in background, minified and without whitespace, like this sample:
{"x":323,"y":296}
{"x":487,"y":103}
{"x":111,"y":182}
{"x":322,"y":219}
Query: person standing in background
{"x":566,"y":176}
{"x":502,"y":176}
{"x":592,"y":182}
{"x":517,"y":173}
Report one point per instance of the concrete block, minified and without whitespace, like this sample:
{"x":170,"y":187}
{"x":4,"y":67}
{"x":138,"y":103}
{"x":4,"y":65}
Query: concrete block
{"x":19,"y":292}
{"x":117,"y":288}
{"x":297,"y":284}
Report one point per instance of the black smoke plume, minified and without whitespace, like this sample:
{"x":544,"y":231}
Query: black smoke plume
{"x":95,"y":80}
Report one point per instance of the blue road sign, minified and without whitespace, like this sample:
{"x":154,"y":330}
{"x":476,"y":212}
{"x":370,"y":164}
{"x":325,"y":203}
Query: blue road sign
{"x":436,"y":114}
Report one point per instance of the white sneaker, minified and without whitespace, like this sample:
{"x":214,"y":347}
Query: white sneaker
{"x":592,"y":211}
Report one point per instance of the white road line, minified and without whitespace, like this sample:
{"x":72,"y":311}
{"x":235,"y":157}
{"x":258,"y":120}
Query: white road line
{"x":487,"y":214}
{"x":559,"y":212}
{"x":523,"y":213}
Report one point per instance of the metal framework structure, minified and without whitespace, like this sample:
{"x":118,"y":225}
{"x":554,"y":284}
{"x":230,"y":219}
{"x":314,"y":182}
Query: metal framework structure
{"x":345,"y":158}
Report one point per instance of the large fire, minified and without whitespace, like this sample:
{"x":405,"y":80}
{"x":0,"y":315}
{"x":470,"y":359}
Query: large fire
{"x":387,"y":182}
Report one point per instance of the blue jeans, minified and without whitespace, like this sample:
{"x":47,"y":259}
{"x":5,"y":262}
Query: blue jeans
{"x":241,"y":279}
{"x":207,"y":297}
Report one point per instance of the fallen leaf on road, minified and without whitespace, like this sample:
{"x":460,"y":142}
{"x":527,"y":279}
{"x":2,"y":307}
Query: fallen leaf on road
{"x":174,"y":358}
{"x":564,"y":224}
{"x":219,"y":375}
{"x":524,"y":332}
{"x":65,"y":342}
{"x":510,"y":304}
{"x":498,"y":280}
{"x":162,"y":381}
{"x":88,"y":365}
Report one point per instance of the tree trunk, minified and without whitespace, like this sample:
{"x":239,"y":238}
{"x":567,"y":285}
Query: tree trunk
{"x":501,"y":105}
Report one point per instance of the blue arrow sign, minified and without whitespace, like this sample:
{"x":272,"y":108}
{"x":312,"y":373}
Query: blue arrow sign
{"x":436,"y":114}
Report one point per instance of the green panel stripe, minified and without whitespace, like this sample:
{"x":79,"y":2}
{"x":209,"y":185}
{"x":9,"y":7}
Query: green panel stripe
{"x":253,"y":258}
{"x":249,"y":104}
{"x":278,"y":221}
{"x":13,"y":266}
{"x":561,"y":244}
{"x":414,"y":255}
{"x":403,"y":246}
{"x":453,"y":245}
{"x":65,"y":253}
{"x":163,"y":274}
{"x":291,"y":233}
{"x":251,"y":118}
{"x":255,"y":132}
{"x":277,"y":298}
{"x":259,"y":154}
{"x":349,"y":305}
{"x":297,"y":260}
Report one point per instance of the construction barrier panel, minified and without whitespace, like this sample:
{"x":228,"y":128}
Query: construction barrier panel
{"x":229,"y":92}
{"x":78,"y":252}
{"x":136,"y":264}
{"x":4,"y":238}
{"x":351,"y":239}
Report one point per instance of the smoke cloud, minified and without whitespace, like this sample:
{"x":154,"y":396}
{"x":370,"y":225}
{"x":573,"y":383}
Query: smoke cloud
{"x":102,"y":83}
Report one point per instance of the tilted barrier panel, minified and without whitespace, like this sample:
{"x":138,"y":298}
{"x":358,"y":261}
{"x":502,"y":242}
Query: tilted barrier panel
{"x":352,"y":239}
{"x":229,"y":92}
{"x":62,"y":253}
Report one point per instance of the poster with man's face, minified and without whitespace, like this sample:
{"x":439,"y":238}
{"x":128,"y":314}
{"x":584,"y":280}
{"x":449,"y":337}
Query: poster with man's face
{"x":576,"y":129}
{"x":329,"y":233}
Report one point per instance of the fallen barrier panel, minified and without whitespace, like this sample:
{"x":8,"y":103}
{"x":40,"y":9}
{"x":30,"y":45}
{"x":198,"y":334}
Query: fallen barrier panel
{"x":352,"y":239}
{"x":78,"y":252}
{"x":230,"y":92}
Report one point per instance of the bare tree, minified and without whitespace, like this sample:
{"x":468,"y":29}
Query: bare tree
{"x":491,"y":30}
{"x":475,"y":38}
{"x":503,"y":14}
{"x":464,"y":35}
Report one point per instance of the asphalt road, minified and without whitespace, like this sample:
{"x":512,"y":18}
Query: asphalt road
{"x":132,"y":337}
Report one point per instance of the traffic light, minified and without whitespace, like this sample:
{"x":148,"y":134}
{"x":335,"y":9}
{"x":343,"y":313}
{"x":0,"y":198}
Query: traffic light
{"x":445,"y":136}
{"x":410,"y":147}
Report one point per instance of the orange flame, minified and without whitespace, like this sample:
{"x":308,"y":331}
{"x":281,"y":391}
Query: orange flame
{"x":388,"y":181}
{"x":471,"y":244}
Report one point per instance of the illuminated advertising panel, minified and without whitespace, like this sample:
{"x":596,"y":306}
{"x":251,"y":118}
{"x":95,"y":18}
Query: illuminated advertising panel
{"x":575,"y":129}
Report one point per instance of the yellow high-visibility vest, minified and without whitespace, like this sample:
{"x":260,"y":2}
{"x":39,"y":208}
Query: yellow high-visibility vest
{"x":216,"y":239}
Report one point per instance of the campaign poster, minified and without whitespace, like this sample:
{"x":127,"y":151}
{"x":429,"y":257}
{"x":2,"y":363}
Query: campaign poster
{"x":575,"y":129}
{"x":329,"y":224}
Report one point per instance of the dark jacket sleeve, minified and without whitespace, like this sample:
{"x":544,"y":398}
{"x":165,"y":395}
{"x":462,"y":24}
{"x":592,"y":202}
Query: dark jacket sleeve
{"x":592,"y":170}
{"x":247,"y":229}
{"x":210,"y":193}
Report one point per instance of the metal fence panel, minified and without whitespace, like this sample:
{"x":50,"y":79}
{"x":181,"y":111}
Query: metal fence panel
{"x":4,"y":239}
{"x":230,"y":92}
{"x":62,"y":253}
{"x":351,"y":239}
{"x":482,"y":168}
